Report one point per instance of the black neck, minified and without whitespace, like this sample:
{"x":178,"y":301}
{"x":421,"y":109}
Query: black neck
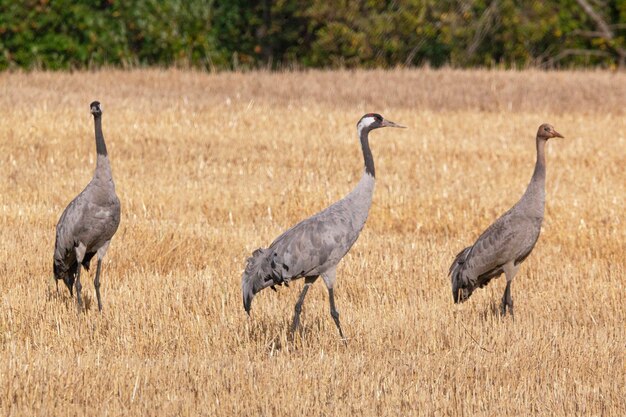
{"x":101,"y":148}
{"x":367,"y":153}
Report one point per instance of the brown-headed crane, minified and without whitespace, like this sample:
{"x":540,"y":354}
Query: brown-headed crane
{"x":509,"y":240}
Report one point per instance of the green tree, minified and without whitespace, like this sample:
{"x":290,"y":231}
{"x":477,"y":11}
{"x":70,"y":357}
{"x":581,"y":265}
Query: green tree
{"x":226,"y":34}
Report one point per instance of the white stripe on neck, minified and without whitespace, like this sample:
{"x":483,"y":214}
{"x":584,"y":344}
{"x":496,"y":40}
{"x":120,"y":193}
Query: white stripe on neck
{"x":365,"y":122}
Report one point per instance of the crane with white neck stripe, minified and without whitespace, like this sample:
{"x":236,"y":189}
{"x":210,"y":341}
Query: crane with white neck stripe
{"x":314,"y":247}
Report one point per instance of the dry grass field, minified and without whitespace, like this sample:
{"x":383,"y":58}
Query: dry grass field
{"x":210,"y":167}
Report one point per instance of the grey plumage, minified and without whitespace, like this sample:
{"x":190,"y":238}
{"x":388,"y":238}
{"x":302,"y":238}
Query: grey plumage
{"x":314,"y":247}
{"x":509,"y":240}
{"x":89,"y":222}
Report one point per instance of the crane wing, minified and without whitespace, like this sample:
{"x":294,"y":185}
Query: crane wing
{"x":65,"y":241}
{"x":489,"y":252}
{"x":86,"y":221}
{"x":510,"y":238}
{"x":315,"y":243}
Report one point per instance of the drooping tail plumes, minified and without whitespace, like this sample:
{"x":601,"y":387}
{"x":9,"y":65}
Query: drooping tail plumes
{"x":461,"y":288}
{"x":257,"y":276}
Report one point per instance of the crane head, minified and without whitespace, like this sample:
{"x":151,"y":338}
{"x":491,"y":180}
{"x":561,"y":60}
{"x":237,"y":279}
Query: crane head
{"x":68,"y":277}
{"x":372,"y":121}
{"x":95,"y":108}
{"x":546,"y":131}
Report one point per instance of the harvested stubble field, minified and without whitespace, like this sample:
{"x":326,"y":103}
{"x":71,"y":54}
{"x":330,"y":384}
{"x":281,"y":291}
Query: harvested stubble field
{"x":210,"y":167}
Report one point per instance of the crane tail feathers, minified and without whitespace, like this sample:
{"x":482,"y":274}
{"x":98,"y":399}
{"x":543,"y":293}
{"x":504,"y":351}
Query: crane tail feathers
{"x":461,"y":288}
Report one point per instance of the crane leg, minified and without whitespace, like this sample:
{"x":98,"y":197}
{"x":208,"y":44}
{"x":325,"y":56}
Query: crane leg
{"x":96,"y":283}
{"x":308,"y":281}
{"x":80,"y":255}
{"x":334,"y":313}
{"x":78,"y":286}
{"x":507,"y":300}
{"x":329,"y":278}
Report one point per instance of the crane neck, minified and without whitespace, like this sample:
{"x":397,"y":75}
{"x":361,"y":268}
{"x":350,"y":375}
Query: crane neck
{"x":103,"y":167}
{"x":101,"y":147}
{"x":540,"y":166}
{"x":537,"y":185}
{"x":367,"y":152}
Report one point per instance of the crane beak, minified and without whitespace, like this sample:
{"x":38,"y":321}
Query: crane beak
{"x":556,"y":134}
{"x":389,"y":123}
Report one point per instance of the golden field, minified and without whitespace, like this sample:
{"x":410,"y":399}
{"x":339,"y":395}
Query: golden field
{"x":208,"y":167}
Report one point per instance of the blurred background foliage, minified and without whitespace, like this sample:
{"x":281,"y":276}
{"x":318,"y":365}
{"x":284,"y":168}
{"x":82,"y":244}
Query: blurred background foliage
{"x":239,"y":34}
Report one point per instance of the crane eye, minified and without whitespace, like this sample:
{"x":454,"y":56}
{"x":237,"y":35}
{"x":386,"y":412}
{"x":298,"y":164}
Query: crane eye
{"x":547,"y":129}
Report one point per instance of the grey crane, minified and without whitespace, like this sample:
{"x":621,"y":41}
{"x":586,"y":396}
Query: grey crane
{"x":315,"y":246}
{"x":509,"y":240}
{"x":88,"y":223}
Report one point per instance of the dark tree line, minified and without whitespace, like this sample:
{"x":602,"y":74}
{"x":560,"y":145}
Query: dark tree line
{"x":234,"y":34}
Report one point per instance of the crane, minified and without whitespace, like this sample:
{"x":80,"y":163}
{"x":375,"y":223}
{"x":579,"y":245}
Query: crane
{"x":314,"y":247}
{"x":88,"y":223}
{"x":509,"y":240}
